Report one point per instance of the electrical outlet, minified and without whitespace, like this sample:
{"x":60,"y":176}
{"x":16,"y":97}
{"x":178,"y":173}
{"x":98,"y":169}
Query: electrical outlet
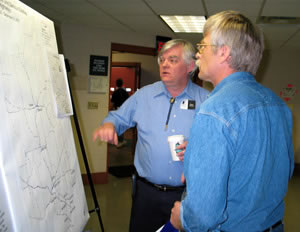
{"x":92,"y":105}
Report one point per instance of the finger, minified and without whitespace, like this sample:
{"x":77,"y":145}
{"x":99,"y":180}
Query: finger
{"x":115,"y":141}
{"x":182,"y":178}
{"x":107,"y":135}
{"x":95,"y":135}
{"x":180,"y":155}
{"x":180,"y":146}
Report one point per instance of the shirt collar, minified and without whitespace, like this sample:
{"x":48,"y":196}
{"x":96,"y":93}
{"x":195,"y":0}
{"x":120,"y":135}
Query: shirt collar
{"x":188,"y":90}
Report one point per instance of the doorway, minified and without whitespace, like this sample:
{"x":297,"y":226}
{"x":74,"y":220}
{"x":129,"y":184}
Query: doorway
{"x":120,"y":158}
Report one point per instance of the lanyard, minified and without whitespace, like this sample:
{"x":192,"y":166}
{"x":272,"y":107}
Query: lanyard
{"x":172,"y":100}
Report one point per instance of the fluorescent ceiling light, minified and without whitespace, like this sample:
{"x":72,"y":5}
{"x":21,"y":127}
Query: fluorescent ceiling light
{"x":185,"y":24}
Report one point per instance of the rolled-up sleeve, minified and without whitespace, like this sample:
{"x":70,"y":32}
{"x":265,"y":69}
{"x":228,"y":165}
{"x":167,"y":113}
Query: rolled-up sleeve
{"x":123,"y":117}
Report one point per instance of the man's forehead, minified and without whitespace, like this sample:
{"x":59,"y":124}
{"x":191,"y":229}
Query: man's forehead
{"x":170,"y":56}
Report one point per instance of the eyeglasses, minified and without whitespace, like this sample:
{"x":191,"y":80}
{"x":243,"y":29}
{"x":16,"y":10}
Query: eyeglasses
{"x":201,"y":46}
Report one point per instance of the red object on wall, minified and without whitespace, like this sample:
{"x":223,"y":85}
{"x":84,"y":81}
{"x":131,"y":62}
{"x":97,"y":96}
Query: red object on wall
{"x":160,"y":45}
{"x":160,"y":41}
{"x":288,"y":93}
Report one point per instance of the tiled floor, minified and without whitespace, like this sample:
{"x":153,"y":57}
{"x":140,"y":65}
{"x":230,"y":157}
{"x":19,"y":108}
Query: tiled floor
{"x":115,"y":201}
{"x":113,"y":198}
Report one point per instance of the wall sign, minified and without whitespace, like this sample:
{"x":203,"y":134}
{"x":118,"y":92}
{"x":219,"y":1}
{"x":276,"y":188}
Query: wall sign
{"x":288,"y":92}
{"x":98,"y":65}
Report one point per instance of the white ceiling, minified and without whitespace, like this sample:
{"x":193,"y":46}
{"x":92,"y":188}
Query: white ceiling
{"x":142,"y":16}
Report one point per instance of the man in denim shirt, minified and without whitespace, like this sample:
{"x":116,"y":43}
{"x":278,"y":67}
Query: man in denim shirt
{"x":158,"y":110}
{"x":237,"y":172}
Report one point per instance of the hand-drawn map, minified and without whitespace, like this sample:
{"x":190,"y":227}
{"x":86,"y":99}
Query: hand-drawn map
{"x":41,"y":187}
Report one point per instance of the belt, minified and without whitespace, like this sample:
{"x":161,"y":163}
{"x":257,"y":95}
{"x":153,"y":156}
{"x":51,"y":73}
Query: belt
{"x":273,"y":226}
{"x":164,"y":188}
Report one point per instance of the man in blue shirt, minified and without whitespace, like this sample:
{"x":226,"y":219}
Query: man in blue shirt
{"x":158,"y":110}
{"x":237,"y":171}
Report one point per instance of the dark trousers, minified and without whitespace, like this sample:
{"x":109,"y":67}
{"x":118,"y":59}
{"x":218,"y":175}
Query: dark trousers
{"x":151,"y":208}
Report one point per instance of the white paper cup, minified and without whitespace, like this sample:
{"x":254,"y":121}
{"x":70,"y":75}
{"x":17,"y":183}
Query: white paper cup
{"x":174,"y":141}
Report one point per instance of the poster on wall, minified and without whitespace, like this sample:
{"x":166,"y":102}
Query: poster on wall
{"x":97,"y":84}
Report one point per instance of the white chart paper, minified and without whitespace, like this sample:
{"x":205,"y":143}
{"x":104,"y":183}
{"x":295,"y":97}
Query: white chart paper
{"x":42,"y":185}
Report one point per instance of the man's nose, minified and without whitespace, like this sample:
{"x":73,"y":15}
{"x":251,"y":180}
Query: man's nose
{"x":165,"y":63}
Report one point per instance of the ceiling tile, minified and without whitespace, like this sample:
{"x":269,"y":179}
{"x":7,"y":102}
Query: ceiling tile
{"x":146,"y":24}
{"x":133,"y":7}
{"x":248,"y":8}
{"x":288,"y":8}
{"x":177,"y":7}
{"x":44,"y":10}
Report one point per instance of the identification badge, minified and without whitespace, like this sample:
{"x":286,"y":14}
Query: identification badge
{"x":187,"y":104}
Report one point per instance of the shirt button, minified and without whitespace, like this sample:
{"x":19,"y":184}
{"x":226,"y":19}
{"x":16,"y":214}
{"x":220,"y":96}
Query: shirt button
{"x":170,"y":178}
{"x":174,"y":116}
{"x":170,"y":162}
{"x":173,"y":130}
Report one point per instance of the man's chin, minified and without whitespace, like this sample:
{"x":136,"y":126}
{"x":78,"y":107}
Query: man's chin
{"x":165,"y":79}
{"x":200,"y":76}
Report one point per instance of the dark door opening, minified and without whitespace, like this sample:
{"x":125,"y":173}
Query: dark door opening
{"x":120,"y":157}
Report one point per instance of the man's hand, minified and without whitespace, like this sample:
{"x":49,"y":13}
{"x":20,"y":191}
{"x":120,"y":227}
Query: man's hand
{"x":175,"y":216}
{"x":106,"y":133}
{"x":181,"y":153}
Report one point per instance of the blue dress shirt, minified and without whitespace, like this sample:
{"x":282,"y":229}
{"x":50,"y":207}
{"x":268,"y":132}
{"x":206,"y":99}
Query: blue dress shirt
{"x":238,"y":160}
{"x":148,"y":109}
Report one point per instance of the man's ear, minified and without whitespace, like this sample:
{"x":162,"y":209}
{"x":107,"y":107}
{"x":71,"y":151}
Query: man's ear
{"x":191,"y":67}
{"x":224,"y":53}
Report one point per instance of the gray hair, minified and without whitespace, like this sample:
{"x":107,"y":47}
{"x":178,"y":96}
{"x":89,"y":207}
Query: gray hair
{"x":245,"y":40}
{"x":188,"y":49}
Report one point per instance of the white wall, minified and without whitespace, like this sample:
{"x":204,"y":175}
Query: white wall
{"x":278,"y":69}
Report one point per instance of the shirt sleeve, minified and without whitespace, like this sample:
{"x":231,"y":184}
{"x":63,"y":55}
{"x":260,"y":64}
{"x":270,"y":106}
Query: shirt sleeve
{"x":206,"y":168}
{"x":123,"y":117}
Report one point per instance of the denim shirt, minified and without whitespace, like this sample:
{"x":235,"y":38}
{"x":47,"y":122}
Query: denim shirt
{"x":238,"y":160}
{"x":148,"y":109}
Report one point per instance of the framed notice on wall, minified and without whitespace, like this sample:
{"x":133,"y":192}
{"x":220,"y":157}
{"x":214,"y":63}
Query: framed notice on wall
{"x":98,"y":65}
{"x":97,"y":84}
